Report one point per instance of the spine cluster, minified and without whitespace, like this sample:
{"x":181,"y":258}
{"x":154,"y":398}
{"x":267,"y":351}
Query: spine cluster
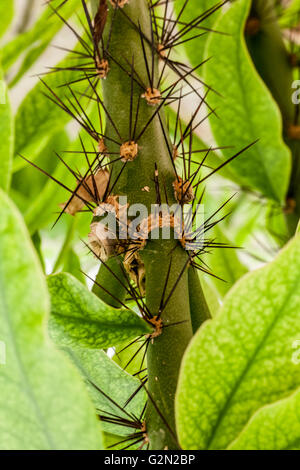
{"x":129,"y":73}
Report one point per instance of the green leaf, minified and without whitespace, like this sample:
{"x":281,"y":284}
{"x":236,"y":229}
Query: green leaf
{"x":115,"y":442}
{"x":195,"y":48}
{"x":67,"y":244}
{"x":43,"y":209}
{"x":101,"y":373}
{"x":242,"y":359}
{"x":247,"y":112}
{"x":211,"y":296}
{"x":79,"y":318}
{"x":37,"y":38}
{"x":274,"y":427}
{"x":72,"y":265}
{"x":6,"y":135}
{"x":38,"y":118}
{"x":31,"y":182}
{"x":40,"y":390}
{"x":247,"y":218}
{"x":6,"y":15}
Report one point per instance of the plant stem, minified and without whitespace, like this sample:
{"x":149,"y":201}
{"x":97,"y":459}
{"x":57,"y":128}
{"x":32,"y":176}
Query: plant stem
{"x":110,"y":278}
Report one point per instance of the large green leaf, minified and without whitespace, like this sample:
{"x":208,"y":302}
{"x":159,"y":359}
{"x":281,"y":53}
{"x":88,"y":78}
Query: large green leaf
{"x":242,"y":359}
{"x":274,"y":427}
{"x":117,"y":386}
{"x":79,"y":318}
{"x":6,"y":15}
{"x":6,"y":135}
{"x":44,"y":404}
{"x":38,"y":118}
{"x":247,"y":111}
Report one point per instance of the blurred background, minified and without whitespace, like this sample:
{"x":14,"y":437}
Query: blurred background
{"x":41,"y":37}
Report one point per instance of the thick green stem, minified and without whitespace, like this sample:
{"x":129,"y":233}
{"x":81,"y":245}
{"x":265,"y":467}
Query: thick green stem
{"x":165,"y":352}
{"x":198,"y":305}
{"x":136,"y":181}
{"x":272,"y":61}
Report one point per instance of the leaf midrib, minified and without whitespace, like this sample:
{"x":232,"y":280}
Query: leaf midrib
{"x":249,"y":365}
